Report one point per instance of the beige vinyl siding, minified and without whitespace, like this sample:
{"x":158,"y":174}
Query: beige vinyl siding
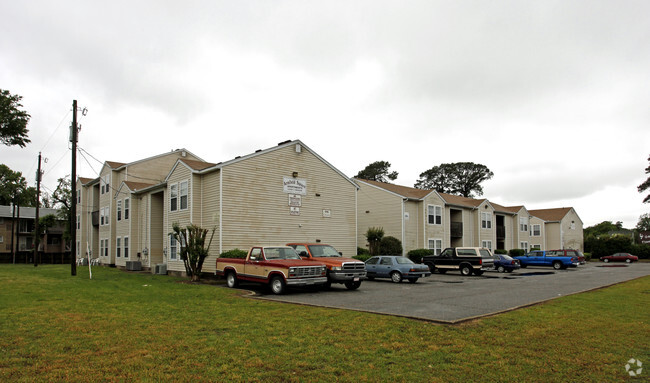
{"x":156,"y":234}
{"x":553,"y":235}
{"x":209,"y":186}
{"x":256,"y":209}
{"x":486,"y":234}
{"x":183,"y":217}
{"x":378,"y":208}
{"x":154,"y":170}
{"x":412,"y":236}
{"x":434,"y":231}
{"x":572,"y":231}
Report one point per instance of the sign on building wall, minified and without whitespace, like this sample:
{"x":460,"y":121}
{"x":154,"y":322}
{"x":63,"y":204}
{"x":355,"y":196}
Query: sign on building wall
{"x":295,"y":185}
{"x":295,"y":200}
{"x":645,"y":237}
{"x":294,"y":211}
{"x":327,"y":213}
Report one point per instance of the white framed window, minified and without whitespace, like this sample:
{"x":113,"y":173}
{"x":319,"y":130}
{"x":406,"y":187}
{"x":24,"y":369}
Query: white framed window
{"x":183,"y":193}
{"x":105,"y":183}
{"x":118,"y":247}
{"x":2,"y":239}
{"x":524,"y":245}
{"x":536,"y":230}
{"x":535,"y":247}
{"x":434,"y":214}
{"x":78,"y":249}
{"x":78,"y":221}
{"x":173,"y":247}
{"x":523,"y":223}
{"x":487,"y":245}
{"x":103,"y":216}
{"x":435,"y":245}
{"x":486,"y":220}
{"x":126,"y":247}
{"x":173,"y":197}
{"x":127,"y":206}
{"x":119,"y":210}
{"x":78,"y":196}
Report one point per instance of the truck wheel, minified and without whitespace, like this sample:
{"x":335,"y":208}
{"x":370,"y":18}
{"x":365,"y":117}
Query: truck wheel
{"x":278,"y":287}
{"x":432,"y":268}
{"x":396,"y":277}
{"x":465,"y":270}
{"x":352,"y":285}
{"x":231,"y":279}
{"x":557,"y":265}
{"x":501,"y":269}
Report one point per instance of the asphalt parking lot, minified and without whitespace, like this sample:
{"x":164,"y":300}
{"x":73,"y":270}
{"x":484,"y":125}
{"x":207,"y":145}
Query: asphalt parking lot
{"x":452,"y":298}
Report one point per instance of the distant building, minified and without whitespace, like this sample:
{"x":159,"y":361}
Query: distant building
{"x":19,"y":248}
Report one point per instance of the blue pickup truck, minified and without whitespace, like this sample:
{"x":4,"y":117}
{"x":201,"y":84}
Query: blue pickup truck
{"x":555,"y":258}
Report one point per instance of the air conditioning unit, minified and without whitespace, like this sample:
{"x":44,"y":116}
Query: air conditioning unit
{"x":161,"y":269}
{"x":133,"y":265}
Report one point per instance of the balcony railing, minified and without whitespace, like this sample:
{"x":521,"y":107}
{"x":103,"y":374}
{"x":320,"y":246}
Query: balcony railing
{"x":456,"y":230}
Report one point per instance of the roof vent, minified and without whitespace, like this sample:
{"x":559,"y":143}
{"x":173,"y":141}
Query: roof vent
{"x":284,"y":142}
{"x":258,"y":150}
{"x":237,"y":157}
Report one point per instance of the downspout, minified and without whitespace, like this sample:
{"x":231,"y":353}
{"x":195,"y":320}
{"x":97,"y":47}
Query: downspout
{"x":220,"y":210}
{"x":403,"y":202}
{"x":356,"y":219}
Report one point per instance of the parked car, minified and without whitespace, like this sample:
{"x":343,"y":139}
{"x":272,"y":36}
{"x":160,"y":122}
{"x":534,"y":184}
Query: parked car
{"x":620,"y":257}
{"x":504,"y":263}
{"x":570,"y":253}
{"x":555,"y":258}
{"x":395,"y":267}
{"x":468,"y":260}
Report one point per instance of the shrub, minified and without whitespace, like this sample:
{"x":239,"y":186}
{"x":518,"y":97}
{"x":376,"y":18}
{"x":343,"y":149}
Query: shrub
{"x":417,"y":254}
{"x":234,"y":253}
{"x":641,"y":250}
{"x":390,"y":246}
{"x":500,"y":251}
{"x":516,"y":252}
{"x":362,"y":251}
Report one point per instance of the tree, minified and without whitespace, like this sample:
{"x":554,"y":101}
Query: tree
{"x":14,"y":189}
{"x":645,"y":185}
{"x":13,"y":121}
{"x":377,"y":171}
{"x":192,"y":240}
{"x":460,"y":178}
{"x":374,"y":236}
{"x":644,"y":222}
{"x":62,"y":199}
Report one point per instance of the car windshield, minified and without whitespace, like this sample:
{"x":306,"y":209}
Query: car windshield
{"x":505,"y":257}
{"x":280,"y":253}
{"x":323,"y":251}
{"x":403,"y":260}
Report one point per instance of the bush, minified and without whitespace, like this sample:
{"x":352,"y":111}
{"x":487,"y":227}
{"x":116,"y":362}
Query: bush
{"x":362,"y":257}
{"x":390,"y":246}
{"x":641,"y":250}
{"x":234,"y":253}
{"x":516,"y":252}
{"x":417,"y":254}
{"x":362,"y":251}
{"x":500,"y":251}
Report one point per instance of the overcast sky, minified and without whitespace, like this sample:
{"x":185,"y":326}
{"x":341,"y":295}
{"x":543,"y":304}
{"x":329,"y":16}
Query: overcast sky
{"x":552,"y":96}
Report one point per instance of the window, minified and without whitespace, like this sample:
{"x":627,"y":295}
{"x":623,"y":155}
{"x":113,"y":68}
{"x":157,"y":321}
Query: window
{"x":373,"y":261}
{"x":435,"y":245}
{"x":25,"y":243}
{"x":183,"y":195}
{"x":126,"y":247}
{"x":173,"y":247}
{"x":487,"y":245}
{"x":78,"y":196}
{"x":435,"y":214}
{"x":119,"y":210}
{"x":103,"y":216}
{"x":386,"y":261}
{"x":118,"y":247}
{"x":2,"y":239}
{"x":78,"y":222}
{"x":173,"y":197}
{"x":486,"y":220}
{"x":536,"y":230}
{"x":104,"y":183}
{"x":127,"y":203}
{"x":78,"y":249}
{"x":524,"y":245}
{"x":535,"y":247}
{"x":523,"y":223}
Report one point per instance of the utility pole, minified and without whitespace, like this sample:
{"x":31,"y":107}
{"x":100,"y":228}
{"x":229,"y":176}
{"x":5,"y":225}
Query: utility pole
{"x":73,"y":193}
{"x":37,"y":233}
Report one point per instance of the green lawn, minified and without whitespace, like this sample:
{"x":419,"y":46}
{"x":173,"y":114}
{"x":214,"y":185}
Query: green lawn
{"x":123,"y":326}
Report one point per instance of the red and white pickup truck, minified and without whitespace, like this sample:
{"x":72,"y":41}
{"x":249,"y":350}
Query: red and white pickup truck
{"x":277,"y":266}
{"x":348,"y":271}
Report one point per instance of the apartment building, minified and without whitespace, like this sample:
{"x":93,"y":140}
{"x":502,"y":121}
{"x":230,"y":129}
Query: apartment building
{"x":17,"y":236}
{"x":429,"y":219}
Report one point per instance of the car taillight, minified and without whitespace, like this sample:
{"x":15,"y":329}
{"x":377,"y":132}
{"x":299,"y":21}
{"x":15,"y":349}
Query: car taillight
{"x":512,"y":263}
{"x":412,"y":270}
{"x":480,"y":261}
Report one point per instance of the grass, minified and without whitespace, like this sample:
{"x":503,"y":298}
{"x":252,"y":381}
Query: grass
{"x":137,"y":327}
